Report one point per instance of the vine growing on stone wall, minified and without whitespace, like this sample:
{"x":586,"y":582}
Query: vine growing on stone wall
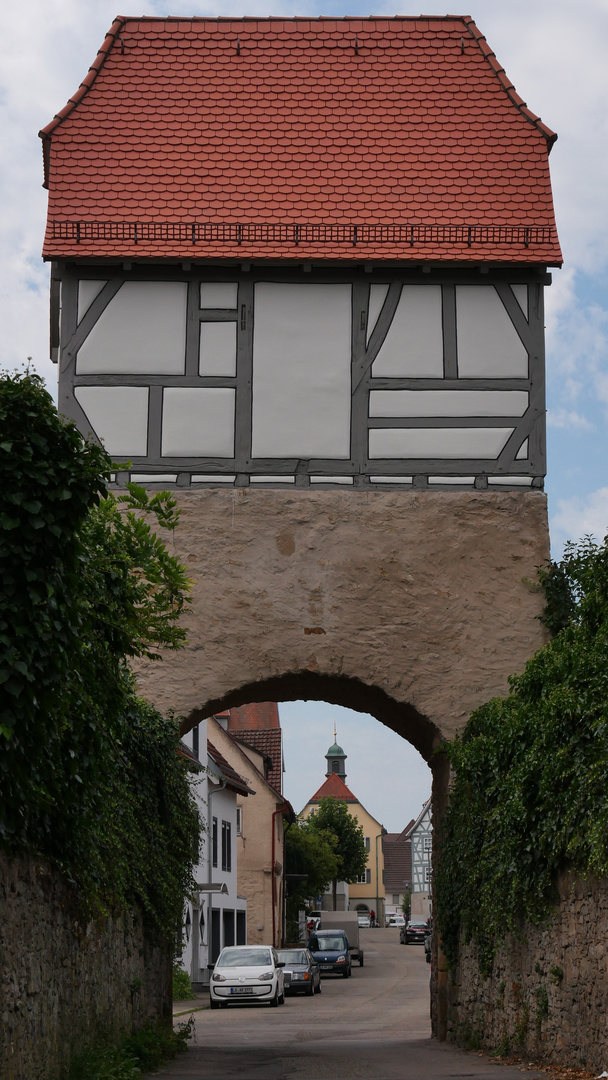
{"x":89,"y":774}
{"x":529,"y":796}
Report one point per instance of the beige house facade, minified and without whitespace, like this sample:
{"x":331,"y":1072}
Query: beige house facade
{"x":367,"y":893}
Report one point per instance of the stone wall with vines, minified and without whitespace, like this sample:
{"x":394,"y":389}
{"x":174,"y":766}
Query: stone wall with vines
{"x":547,"y":994}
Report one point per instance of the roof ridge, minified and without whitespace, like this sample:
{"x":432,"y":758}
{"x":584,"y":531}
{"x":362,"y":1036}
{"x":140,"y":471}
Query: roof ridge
{"x":491,"y":58}
{"x":86,"y":84}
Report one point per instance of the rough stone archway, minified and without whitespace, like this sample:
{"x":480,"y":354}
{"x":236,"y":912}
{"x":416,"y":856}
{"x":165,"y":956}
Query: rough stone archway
{"x":414,"y":606}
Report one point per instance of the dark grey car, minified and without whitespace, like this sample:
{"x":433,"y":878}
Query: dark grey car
{"x":301,"y":972}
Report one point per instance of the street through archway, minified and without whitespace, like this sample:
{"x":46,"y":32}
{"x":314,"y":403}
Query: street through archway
{"x":373,"y":1026}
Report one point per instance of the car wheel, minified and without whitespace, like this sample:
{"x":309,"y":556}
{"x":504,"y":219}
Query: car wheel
{"x":345,"y":974}
{"x":275,"y":1000}
{"x":361,"y":961}
{"x":282,"y":999}
{"x":214,"y":1004}
{"x":310,"y":990}
{"x":319,"y":987}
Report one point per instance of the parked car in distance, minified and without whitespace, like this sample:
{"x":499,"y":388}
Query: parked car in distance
{"x":330,"y":950}
{"x":312,"y":920}
{"x":413,"y":933}
{"x":363,"y":920}
{"x":396,"y":920}
{"x":301,"y":972}
{"x":250,"y":973}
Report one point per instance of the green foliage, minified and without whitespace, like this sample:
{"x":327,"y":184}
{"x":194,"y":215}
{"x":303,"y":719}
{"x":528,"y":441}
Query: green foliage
{"x":145,"y":1049}
{"x":153,"y":1045}
{"x":104,"y":1063}
{"x":333,"y":819}
{"x":182,"y":990}
{"x":406,"y":903}
{"x":529,"y":796}
{"x":311,"y":851}
{"x":89,"y":775}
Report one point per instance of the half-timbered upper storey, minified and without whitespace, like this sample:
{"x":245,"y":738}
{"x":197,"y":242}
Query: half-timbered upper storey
{"x":302,"y":251}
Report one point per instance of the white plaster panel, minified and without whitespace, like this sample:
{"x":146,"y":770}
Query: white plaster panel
{"x":522,"y":453}
{"x":224,"y":478}
{"x":198,"y":422}
{"x":331,"y":479}
{"x":118,"y":415}
{"x":437,"y":442}
{"x":87,"y":291}
{"x":448,"y":402}
{"x":272,"y":480}
{"x":519,"y":481}
{"x":141,"y":331}
{"x":153,"y":478}
{"x":452,"y":480}
{"x":521,"y":295}
{"x":219,"y":294}
{"x":391,"y":479}
{"x":301,"y":370}
{"x":217,"y":349}
{"x":488,"y":343}
{"x":377,"y":296}
{"x":414,"y":343}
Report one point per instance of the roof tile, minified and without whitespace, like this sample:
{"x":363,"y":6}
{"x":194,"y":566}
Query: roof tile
{"x":298,"y":128}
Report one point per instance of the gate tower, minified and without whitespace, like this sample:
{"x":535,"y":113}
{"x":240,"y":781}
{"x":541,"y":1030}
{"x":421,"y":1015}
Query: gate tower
{"x":297,"y":275}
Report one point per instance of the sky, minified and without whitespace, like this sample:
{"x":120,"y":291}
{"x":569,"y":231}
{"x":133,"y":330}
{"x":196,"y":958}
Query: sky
{"x":556,"y":54}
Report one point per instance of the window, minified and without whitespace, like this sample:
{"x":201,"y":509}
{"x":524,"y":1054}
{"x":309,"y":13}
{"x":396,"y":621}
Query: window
{"x":239,"y":821}
{"x":395,"y":898}
{"x":335,"y":766}
{"x":428,"y":843}
{"x":428,"y":872}
{"x":226,"y":846}
{"x":367,"y":843}
{"x":195,"y":740}
{"x":365,"y":879}
{"x":214,"y":841}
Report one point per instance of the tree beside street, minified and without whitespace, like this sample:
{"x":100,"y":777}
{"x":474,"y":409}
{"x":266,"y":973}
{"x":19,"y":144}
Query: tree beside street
{"x":333,"y":819}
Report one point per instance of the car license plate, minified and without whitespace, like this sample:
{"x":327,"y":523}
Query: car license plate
{"x":241,"y":989}
{"x":325,"y":967}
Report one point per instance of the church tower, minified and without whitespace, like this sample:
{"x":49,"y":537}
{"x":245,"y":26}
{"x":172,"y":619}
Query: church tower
{"x":335,"y":758}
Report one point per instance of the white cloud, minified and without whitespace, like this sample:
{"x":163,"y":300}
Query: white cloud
{"x":562,"y":418}
{"x":580,"y":516}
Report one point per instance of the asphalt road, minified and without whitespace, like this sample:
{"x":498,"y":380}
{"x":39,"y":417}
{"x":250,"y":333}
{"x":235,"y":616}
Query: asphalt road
{"x":373,"y":1026}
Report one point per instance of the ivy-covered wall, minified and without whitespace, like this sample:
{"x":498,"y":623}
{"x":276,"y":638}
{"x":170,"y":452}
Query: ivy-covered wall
{"x":66,"y":984}
{"x":547,"y":994}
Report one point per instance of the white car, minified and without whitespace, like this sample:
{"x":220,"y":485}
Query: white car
{"x":396,"y":920}
{"x":250,"y":973}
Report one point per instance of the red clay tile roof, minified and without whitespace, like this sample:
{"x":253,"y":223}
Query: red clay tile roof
{"x":328,"y":139}
{"x":397,"y":862}
{"x":258,"y":715}
{"x":335,"y":787}
{"x":269,"y":743}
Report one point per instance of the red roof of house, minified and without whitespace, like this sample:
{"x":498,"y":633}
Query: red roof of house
{"x":269,"y":743}
{"x":233,"y":781}
{"x":335,"y":787}
{"x":328,"y":139}
{"x":397,"y":862}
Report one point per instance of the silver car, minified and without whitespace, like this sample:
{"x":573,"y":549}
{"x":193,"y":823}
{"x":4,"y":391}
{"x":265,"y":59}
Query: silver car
{"x":247,"y":973}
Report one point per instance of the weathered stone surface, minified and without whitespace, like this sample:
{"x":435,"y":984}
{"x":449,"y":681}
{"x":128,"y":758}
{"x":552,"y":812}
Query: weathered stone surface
{"x":547,"y":996}
{"x":65,"y":984}
{"x":411,"y":606}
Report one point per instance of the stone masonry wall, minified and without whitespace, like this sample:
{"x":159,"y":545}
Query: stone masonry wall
{"x":420,"y":598}
{"x":65,"y":985}
{"x":547,"y":996}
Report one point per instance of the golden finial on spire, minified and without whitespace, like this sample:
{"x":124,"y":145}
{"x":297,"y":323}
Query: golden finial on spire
{"x":335,"y":734}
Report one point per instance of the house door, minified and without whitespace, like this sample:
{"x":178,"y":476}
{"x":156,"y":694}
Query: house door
{"x":216,"y":945}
